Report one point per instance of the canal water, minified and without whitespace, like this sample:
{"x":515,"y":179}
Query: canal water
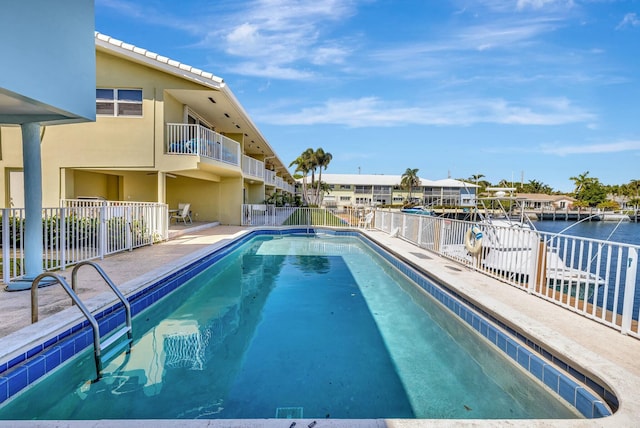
{"x":621,"y":232}
{"x":625,"y":232}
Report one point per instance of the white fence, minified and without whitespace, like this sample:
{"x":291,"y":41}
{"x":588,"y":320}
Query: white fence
{"x":270,"y":215}
{"x":82,"y":230}
{"x":597,"y":279}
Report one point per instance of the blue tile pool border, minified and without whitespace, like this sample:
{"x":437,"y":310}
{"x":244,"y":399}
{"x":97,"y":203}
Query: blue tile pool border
{"x":26,"y":368}
{"x":552,"y":370}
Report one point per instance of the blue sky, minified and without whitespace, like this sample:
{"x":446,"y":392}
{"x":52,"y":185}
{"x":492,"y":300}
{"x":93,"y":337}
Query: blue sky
{"x":510,"y":89}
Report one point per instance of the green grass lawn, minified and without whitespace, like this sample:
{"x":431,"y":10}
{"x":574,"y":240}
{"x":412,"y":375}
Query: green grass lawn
{"x":313,"y":218}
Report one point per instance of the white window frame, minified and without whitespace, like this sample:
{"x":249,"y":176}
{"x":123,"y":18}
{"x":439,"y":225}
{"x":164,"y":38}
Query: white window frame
{"x":116,"y":102}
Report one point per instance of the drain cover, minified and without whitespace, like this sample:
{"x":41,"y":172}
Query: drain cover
{"x":289,"y":413}
{"x":421,"y":256}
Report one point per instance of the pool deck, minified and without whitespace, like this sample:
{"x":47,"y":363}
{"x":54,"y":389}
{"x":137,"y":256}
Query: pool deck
{"x":598,"y":350}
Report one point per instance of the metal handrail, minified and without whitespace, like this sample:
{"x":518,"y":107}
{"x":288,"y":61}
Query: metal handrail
{"x":123,"y":299}
{"x":77,"y":301}
{"x":88,"y":315}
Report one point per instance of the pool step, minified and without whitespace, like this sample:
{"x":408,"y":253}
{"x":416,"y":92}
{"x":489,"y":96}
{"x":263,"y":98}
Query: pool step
{"x":116,"y":350}
{"x":289,"y":412}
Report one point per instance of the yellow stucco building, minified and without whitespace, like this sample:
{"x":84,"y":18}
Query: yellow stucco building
{"x":164,"y":132}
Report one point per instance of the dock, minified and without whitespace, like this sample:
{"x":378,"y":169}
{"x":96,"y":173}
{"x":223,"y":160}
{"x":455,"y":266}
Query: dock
{"x":588,"y":214}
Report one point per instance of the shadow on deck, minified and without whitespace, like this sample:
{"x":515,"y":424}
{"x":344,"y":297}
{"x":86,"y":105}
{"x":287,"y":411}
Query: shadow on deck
{"x":179,"y":229}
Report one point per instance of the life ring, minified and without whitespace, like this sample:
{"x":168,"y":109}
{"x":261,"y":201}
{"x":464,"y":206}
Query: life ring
{"x":473,"y":240}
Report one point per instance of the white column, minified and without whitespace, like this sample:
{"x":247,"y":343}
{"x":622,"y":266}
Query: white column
{"x":32,"y":198}
{"x":33,"y":207}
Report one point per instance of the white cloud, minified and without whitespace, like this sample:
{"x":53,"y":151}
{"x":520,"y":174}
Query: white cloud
{"x":271,"y":71}
{"x":283,"y":34}
{"x":541,"y":4}
{"x":374,"y":112}
{"x":615,"y":147}
{"x":524,"y":5}
{"x":629,"y":20}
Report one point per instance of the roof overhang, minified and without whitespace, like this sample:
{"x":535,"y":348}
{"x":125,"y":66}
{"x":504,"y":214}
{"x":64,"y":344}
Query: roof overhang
{"x":215,"y":103}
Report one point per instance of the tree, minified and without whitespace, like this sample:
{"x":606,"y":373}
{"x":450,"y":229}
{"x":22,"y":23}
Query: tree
{"x":632,"y":191}
{"x":304,"y":164}
{"x":308,"y":162}
{"x":589,"y":189}
{"x":580,"y":181}
{"x":409,"y":180}
{"x":535,"y":186}
{"x":322,"y":160}
{"x":476,"y":177}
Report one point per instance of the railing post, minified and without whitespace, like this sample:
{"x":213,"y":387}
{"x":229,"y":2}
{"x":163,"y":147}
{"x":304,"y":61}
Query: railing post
{"x":538,"y":267}
{"x":102,"y":233}
{"x":128,"y":227}
{"x":62,"y":237}
{"x":6,"y":237}
{"x":629,"y":290}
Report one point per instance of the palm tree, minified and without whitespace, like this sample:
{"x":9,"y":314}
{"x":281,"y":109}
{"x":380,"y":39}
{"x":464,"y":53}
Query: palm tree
{"x":580,"y":181}
{"x":322,"y":160}
{"x":476,"y":177}
{"x":535,"y":186}
{"x":410,"y":180}
{"x":304,"y":165}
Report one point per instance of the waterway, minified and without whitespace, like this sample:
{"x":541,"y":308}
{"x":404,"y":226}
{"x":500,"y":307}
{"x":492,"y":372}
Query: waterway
{"x":625,"y":232}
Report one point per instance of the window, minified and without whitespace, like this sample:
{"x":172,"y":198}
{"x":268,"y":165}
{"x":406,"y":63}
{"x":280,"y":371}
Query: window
{"x":345,"y":198}
{"x":119,"y":102}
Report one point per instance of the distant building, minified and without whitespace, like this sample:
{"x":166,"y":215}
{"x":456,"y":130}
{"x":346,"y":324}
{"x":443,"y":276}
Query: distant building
{"x":539,"y":201}
{"x":346,"y":190}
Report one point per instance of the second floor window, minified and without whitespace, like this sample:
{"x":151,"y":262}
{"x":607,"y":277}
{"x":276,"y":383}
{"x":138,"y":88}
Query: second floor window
{"x":118,"y":102}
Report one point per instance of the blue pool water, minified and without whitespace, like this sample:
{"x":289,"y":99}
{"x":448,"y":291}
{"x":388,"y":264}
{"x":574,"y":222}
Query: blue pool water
{"x":296,"y":327}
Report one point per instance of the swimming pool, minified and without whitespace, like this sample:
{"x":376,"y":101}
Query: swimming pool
{"x":263,"y":371}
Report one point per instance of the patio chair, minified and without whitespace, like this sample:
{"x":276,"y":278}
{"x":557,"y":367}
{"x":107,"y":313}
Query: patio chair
{"x":180,"y":206}
{"x":183,"y":213}
{"x":365,"y":221}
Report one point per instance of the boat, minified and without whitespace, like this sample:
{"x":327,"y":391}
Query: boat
{"x":505,"y":242}
{"x":614,"y":216}
{"x":419,"y":209}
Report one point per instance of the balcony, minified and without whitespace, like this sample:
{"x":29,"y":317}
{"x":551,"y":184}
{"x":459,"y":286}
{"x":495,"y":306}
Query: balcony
{"x":196,"y":140}
{"x":269,"y":178}
{"x":252,"y":167}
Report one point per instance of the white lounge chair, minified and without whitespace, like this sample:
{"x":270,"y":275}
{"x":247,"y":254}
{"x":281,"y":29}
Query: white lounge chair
{"x":365,"y":221}
{"x":180,"y":206}
{"x":184,"y":213}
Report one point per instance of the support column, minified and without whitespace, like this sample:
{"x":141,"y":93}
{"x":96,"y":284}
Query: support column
{"x":33,"y":207}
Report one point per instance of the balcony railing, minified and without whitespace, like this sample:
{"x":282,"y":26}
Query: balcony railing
{"x":252,"y":167}
{"x":269,"y":177}
{"x":196,"y":140}
{"x":185,"y":139}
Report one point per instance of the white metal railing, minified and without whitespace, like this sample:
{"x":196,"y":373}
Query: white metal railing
{"x":270,"y":215}
{"x":269,"y":177}
{"x":597,"y":279}
{"x":288,"y":187}
{"x":252,"y":167}
{"x":82,"y":230}
{"x":186,"y":139}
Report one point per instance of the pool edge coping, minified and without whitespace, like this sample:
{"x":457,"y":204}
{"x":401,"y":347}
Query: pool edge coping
{"x":138,"y":283}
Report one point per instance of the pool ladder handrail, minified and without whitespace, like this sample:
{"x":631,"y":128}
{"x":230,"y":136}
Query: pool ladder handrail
{"x":98,"y":346}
